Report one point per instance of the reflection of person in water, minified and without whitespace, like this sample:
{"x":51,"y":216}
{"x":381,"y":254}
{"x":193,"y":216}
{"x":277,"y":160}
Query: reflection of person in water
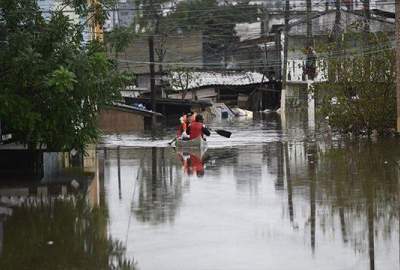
{"x":192,"y":164}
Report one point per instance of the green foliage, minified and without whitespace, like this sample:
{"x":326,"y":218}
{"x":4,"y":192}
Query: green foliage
{"x":119,"y":38}
{"x":52,"y":86}
{"x":360,"y":94}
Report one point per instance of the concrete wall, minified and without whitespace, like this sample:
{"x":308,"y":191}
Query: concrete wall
{"x":119,"y":121}
{"x":183,"y":48}
{"x":296,"y":96}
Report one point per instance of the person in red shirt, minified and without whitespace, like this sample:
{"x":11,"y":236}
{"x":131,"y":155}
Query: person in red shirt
{"x":185,"y":121}
{"x":197,"y":128}
{"x":183,"y":125}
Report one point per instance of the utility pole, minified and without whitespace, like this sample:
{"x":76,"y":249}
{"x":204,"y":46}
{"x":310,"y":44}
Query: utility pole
{"x":398,"y":62}
{"x":310,"y":69}
{"x":151,"y":67}
{"x":285,"y":56}
{"x":366,"y":30}
{"x":367,"y":15}
{"x":338,"y":18}
{"x":309,"y":24}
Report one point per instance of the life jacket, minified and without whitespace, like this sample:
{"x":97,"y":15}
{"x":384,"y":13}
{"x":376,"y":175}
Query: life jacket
{"x":182,"y":127}
{"x":196,"y":130}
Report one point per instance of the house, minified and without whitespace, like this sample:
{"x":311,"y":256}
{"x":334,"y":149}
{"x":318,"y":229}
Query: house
{"x":171,"y":108}
{"x":121,"y":118}
{"x":123,"y":15}
{"x":323,"y":26}
{"x":248,"y":90}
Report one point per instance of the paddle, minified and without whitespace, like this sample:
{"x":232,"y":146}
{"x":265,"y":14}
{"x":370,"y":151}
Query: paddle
{"x":173,"y":140}
{"x":222,"y":132}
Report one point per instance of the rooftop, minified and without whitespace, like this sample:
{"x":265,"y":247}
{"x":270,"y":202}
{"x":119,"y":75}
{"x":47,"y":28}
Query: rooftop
{"x":197,"y":79}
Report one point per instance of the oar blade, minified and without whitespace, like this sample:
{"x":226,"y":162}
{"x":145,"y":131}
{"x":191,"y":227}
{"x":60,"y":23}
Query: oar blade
{"x":223,"y":133}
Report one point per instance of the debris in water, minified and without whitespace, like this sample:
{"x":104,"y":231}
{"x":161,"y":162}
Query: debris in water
{"x":75,"y":184}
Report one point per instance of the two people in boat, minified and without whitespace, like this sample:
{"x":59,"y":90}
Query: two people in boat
{"x":192,"y":164}
{"x":192,"y":127}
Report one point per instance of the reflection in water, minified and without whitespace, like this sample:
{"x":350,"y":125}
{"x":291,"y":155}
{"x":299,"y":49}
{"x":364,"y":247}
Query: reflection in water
{"x":312,"y":199}
{"x":59,"y":222}
{"x":57,"y":233}
{"x":365,"y":191}
{"x":344,"y":192}
{"x":192,"y":161}
{"x":285,"y":159}
{"x":160,"y":187}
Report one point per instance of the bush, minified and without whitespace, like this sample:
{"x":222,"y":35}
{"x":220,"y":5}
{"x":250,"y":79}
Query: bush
{"x":360,"y":96}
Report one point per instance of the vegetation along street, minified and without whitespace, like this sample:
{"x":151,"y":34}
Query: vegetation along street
{"x":199,"y":134}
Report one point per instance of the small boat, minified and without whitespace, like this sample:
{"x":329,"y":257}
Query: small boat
{"x":197,"y":143}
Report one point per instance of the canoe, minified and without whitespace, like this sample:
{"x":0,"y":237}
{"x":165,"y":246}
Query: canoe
{"x":198,"y":143}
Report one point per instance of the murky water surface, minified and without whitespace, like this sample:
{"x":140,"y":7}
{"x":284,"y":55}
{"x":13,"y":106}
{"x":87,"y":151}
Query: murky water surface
{"x":270,"y":197}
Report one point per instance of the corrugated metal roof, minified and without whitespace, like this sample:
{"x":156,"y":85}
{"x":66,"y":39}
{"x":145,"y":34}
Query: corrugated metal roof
{"x":202,"y":79}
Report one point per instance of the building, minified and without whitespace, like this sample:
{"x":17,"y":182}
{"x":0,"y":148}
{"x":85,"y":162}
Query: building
{"x":247,"y":90}
{"x":123,"y":14}
{"x":324,"y":25}
{"x":90,"y":32}
{"x":121,"y":118}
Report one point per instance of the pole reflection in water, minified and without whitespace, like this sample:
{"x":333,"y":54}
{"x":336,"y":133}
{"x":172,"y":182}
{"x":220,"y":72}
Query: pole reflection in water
{"x":311,"y":156}
{"x":119,"y":172}
{"x":309,"y":200}
{"x":154,"y":179}
{"x":288,"y":183}
{"x":160,"y":187}
{"x":60,"y":233}
{"x":371,"y":241}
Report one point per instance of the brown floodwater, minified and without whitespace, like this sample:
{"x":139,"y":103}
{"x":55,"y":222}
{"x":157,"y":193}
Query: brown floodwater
{"x":276,"y":195}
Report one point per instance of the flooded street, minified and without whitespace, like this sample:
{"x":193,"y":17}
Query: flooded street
{"x":267,"y":198}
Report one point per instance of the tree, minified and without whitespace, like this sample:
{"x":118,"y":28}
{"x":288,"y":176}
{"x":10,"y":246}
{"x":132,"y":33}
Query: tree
{"x":52,"y":84}
{"x":181,"y":79}
{"x":361,"y":95}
